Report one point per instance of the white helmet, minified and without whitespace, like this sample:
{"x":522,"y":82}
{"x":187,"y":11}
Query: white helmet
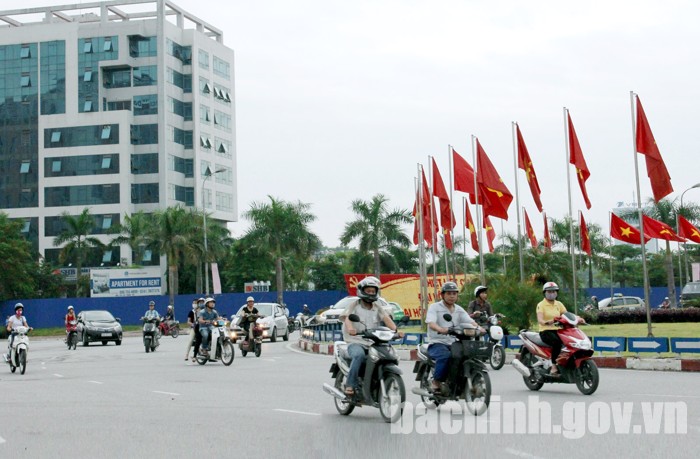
{"x":550,"y":287}
{"x":479,"y":289}
{"x":370,"y":281}
{"x":209,"y":300}
{"x":250,"y":298}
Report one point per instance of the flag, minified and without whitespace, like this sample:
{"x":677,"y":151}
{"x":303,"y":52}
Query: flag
{"x":525,"y":163}
{"x":490,"y":233}
{"x":494,"y":195}
{"x":585,"y":240}
{"x":576,"y":158}
{"x":646,"y":145}
{"x":623,"y":231}
{"x":463,"y":175}
{"x":447,"y":218}
{"x":426,"y":210}
{"x":530,"y":232}
{"x":470,"y":226}
{"x":687,"y":230}
{"x":659,"y":230}
{"x":547,"y":241}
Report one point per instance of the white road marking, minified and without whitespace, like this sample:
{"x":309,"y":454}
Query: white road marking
{"x":166,"y":393}
{"x":57,"y":375}
{"x":297,"y":412}
{"x":517,"y":453}
{"x":665,"y":395}
{"x":96,"y":382}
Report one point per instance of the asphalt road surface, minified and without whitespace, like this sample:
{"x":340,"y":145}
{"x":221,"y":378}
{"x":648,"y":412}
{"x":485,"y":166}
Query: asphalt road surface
{"x":119,"y":402}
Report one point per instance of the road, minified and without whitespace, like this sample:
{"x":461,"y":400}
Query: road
{"x":118,"y":401}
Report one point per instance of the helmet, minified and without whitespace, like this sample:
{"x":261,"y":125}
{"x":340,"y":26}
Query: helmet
{"x":70,"y":308}
{"x":370,"y":281}
{"x":209,"y":300}
{"x":151,"y":303}
{"x":170,"y":306}
{"x":250,"y":298}
{"x":550,"y":287}
{"x":449,"y":287}
{"x":479,"y":289}
{"x":19,"y":306}
{"x":666,"y":298}
{"x":200,"y":300}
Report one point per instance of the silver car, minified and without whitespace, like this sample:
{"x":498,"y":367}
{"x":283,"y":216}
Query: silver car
{"x":274,"y":322}
{"x":619,"y":302}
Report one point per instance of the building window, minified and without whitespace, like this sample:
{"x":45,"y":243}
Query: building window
{"x":106,"y":162}
{"x":55,"y":136}
{"x":106,"y":222}
{"x":24,"y":167}
{"x":87,"y":76}
{"x":203,"y":59}
{"x":108,"y":46}
{"x":87,"y":107}
{"x":147,"y":255}
{"x":107,"y":257}
{"x":26,"y":226}
{"x":56,"y":166}
{"x":87,"y":47}
{"x":106,"y":132}
{"x":25,"y":82}
{"x":25,"y":53}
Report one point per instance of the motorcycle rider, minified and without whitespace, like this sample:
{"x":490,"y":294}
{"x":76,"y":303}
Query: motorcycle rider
{"x":191,"y":318}
{"x":480,"y":309}
{"x":197,"y":335}
{"x":548,"y":311}
{"x":70,"y":316}
{"x":151,"y":313}
{"x":371,"y":313}
{"x":440,"y":348}
{"x":249,"y":310}
{"x":306,"y":311}
{"x":206,"y":319}
{"x":18,"y":320}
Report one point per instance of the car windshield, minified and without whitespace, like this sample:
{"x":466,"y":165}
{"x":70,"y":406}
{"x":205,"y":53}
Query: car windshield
{"x":264,"y":309}
{"x":693,"y":287}
{"x":98,"y":316}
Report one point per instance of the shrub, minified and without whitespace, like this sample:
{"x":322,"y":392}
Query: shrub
{"x":631,"y":316}
{"x":517,"y":301}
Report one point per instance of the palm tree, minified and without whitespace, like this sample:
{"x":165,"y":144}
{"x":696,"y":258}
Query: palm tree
{"x":377,"y":229}
{"x":76,"y":240}
{"x":134,"y":232}
{"x":282,"y":230}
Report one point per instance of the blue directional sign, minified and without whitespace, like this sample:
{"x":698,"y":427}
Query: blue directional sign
{"x":684,"y":345}
{"x":514,"y":342}
{"x":609,"y":343}
{"x":647,"y":344}
{"x":412,"y":339}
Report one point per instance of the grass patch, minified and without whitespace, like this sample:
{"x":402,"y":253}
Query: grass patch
{"x":61,"y":331}
{"x":662,"y":330}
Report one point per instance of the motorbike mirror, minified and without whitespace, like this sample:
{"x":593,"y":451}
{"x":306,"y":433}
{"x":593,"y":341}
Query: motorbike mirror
{"x":404,"y":320}
{"x":354,"y":318}
{"x":118,"y":319}
{"x":447,"y":317}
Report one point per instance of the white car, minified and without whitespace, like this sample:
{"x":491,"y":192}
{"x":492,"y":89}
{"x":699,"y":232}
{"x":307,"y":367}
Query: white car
{"x":618,"y":302}
{"x":273,"y":322}
{"x":332,"y":314}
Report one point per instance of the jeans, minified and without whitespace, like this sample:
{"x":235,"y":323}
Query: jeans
{"x":441,"y":354}
{"x":359,"y":356}
{"x":205,"y":331}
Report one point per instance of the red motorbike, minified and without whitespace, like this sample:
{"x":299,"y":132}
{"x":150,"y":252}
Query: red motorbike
{"x":72,"y":337}
{"x":169,"y":327}
{"x":574,"y":362}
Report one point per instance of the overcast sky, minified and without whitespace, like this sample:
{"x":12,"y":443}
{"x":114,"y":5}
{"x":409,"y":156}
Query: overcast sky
{"x":341,"y":100}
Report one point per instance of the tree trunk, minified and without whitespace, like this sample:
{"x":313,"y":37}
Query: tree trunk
{"x":279,"y":279}
{"x":172,"y":282}
{"x":376,"y":263}
{"x":199,"y":277}
{"x":670,"y":277}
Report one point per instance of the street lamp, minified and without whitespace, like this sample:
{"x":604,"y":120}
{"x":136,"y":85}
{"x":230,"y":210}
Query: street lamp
{"x":207,"y":174}
{"x":685,"y":250}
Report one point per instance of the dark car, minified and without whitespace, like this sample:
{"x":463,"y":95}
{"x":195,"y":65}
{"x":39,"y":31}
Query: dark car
{"x":99,"y":326}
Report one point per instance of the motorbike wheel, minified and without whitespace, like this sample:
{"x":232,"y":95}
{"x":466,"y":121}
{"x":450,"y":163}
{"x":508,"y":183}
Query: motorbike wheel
{"x":258,"y":349}
{"x":86,"y":341}
{"x":391,"y":403}
{"x":285,"y":337}
{"x":22,"y":361}
{"x":498,"y":358}
{"x":528,"y":360}
{"x":477,"y":393}
{"x":344,"y":407}
{"x":147,"y":344}
{"x":12,"y":367}
{"x":175,"y":332}
{"x":243,"y":352}
{"x":587,"y":377}
{"x":429,"y":402}
{"x":227,"y":353}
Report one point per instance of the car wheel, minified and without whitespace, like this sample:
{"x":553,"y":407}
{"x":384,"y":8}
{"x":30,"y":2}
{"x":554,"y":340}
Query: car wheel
{"x":104,"y":343}
{"x":273,"y":335}
{"x":86,"y":340}
{"x":285,"y":337}
{"x":118,"y":342}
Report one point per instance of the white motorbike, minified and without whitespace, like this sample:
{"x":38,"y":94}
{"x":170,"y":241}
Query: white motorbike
{"x":495,"y":333}
{"x":20,"y":348}
{"x":221,"y":347}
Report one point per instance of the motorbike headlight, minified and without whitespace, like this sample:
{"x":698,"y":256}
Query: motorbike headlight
{"x":233,"y":335}
{"x":373,"y":355}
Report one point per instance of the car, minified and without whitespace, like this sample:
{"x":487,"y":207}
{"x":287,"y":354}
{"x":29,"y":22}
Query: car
{"x":274,"y":322}
{"x":332,"y":314}
{"x":690,"y":295}
{"x":396,"y":313}
{"x":99,"y":325}
{"x":618,"y":302}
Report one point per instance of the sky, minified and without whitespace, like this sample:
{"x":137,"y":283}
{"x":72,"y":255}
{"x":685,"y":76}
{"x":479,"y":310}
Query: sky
{"x":338,"y":100}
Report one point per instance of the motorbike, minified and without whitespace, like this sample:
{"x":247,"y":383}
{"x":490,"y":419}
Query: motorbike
{"x":574,"y":362}
{"x":150,"y":334}
{"x":291,"y":325}
{"x":220,"y":346}
{"x":18,"y":353}
{"x":471,"y":381}
{"x":72,"y":338}
{"x":494,"y":332}
{"x":253,"y":343}
{"x":380,"y":385}
{"x":302,"y":320}
{"x":169,"y":327}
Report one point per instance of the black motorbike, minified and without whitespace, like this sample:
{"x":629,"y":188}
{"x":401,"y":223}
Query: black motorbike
{"x":150,"y":334}
{"x":469,"y":378}
{"x":381,"y":385}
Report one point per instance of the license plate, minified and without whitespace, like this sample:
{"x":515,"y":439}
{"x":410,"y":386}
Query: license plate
{"x":106,"y":334}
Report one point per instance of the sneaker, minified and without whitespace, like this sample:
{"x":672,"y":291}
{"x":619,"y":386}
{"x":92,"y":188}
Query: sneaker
{"x":6,"y":357}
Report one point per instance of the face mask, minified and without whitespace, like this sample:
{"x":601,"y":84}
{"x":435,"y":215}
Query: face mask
{"x":18,"y":313}
{"x":550,"y":295}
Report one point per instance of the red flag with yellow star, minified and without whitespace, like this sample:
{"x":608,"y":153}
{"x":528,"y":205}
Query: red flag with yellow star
{"x":687,"y":230}
{"x":525,"y":163}
{"x":576,"y":158}
{"x":656,"y":168}
{"x":494,"y":195}
{"x":623,"y":231}
{"x":530,"y":232}
{"x":585,"y":240}
{"x":547,"y":241}
{"x":659,"y":230}
{"x":490,"y":233}
{"x":469,"y":222}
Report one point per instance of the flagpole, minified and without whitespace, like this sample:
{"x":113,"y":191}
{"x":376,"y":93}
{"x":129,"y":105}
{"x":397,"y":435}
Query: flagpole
{"x":432,"y":225}
{"x":464,"y":236}
{"x":611,"y":258}
{"x":642,"y":242}
{"x":478,"y":214}
{"x":450,"y":168}
{"x":680,"y":270}
{"x":517,"y":201}
{"x":421,"y":251}
{"x":567,"y":152}
{"x":503,"y":245}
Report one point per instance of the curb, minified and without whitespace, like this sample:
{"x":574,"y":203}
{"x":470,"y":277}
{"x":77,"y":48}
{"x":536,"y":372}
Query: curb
{"x":625,"y":363}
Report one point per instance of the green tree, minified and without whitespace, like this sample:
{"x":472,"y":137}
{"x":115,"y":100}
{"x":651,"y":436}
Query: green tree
{"x":135,"y":232}
{"x":77,"y":241}
{"x":17,"y":265}
{"x":327,"y":273}
{"x":246,"y":262}
{"x":282,"y":230}
{"x":378,"y":231}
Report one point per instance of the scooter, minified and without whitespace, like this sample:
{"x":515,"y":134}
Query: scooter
{"x":495,"y":334}
{"x":254,"y":341}
{"x":470,"y":382}
{"x":220,"y":345}
{"x":381,"y":386}
{"x":574,"y":362}
{"x":150,"y":334}
{"x":18,"y":353}
{"x":171,"y":327}
{"x":72,"y":338}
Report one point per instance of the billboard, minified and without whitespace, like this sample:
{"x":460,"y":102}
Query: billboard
{"x":119,"y":282}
